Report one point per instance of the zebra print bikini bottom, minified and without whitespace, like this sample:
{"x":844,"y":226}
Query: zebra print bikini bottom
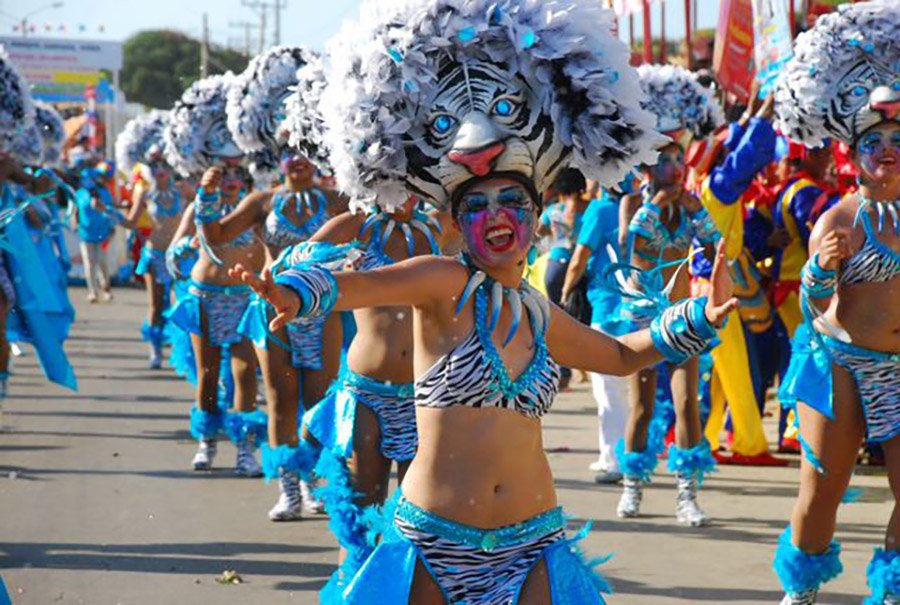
{"x":877,"y":378}
{"x":477,"y":566}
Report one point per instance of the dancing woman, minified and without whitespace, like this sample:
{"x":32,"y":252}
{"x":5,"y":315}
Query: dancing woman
{"x":300,"y":361}
{"x":661,"y":235}
{"x":197,"y":139}
{"x":156,"y":193}
{"x":844,"y":83}
{"x":471,"y":84}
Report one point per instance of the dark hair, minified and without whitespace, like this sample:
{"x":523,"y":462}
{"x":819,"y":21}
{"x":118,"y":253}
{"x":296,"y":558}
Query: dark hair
{"x":570,"y":182}
{"x":527,"y":183}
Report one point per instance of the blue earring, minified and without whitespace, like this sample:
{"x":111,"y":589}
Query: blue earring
{"x":532,"y":255}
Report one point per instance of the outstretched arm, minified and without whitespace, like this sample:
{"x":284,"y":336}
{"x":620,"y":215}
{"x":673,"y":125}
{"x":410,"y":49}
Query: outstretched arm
{"x":412,"y":283}
{"x":575,"y":345}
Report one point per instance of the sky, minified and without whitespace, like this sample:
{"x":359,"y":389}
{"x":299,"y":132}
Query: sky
{"x":308,"y":22}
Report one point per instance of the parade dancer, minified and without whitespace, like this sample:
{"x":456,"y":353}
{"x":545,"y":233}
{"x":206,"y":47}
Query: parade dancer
{"x":141,"y":146}
{"x":661,"y":235}
{"x":299,"y":362}
{"x":196,"y":140}
{"x":464,"y":94}
{"x":843,"y":82}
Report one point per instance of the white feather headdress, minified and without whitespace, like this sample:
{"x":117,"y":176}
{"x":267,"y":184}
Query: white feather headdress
{"x":304,"y":125}
{"x":678,"y":101}
{"x":141,"y":136}
{"x":824,"y":89}
{"x":383,"y":70}
{"x":256,"y":101}
{"x":197,"y":134}
{"x":16,"y":106}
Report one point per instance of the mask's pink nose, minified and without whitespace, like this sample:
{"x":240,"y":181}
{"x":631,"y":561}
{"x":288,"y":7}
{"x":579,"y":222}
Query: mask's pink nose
{"x":478,"y":162}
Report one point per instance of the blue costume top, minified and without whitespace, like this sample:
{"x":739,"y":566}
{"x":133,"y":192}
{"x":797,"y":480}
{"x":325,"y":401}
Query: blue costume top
{"x":599,"y":229}
{"x":94,"y":226}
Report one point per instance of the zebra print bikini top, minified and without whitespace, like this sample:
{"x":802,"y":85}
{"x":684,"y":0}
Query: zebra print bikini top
{"x":473,"y":374}
{"x":875,"y":261}
{"x":280,"y":232}
{"x":382,"y":226}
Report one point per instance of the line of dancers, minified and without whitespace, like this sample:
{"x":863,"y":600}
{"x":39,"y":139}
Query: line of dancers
{"x":356,"y":229}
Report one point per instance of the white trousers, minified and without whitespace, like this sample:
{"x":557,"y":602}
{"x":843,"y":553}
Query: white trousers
{"x":613,"y":407}
{"x":96,"y":269}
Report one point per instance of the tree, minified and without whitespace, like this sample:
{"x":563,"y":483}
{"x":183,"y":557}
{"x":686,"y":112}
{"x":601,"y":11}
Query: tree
{"x":160,"y":64}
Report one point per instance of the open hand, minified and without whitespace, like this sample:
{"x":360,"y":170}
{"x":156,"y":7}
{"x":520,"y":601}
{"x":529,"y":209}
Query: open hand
{"x":721,"y":299}
{"x":283,"y":300}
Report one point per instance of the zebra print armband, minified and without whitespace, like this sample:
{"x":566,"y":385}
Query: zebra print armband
{"x":705,"y":228}
{"x":683,"y":331}
{"x":208,"y":206}
{"x":316,"y":287}
{"x":816,"y":281}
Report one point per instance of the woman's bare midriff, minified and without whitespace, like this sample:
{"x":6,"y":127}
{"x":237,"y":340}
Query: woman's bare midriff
{"x":163,"y":231}
{"x":870,"y":314}
{"x":482,"y":467}
{"x":207,"y":272}
{"x":383,"y":346}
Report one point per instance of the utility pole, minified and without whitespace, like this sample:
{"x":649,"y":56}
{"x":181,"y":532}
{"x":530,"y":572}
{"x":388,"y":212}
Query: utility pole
{"x":262,"y":7}
{"x":248,"y":28}
{"x":204,"y":48}
{"x":278,"y":7}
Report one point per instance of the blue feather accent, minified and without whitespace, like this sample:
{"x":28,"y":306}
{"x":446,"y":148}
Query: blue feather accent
{"x":883,"y":575}
{"x":695,"y":462}
{"x":639,"y":465}
{"x":205,"y":425}
{"x":251,"y":427}
{"x":286,"y":459}
{"x":799,"y":571}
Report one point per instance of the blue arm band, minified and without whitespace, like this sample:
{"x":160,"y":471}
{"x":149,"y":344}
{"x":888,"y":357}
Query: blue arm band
{"x":683,"y":331}
{"x":208,"y":206}
{"x":816,"y":281}
{"x":316,"y":287}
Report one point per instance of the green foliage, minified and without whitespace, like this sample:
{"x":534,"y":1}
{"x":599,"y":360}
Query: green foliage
{"x":160,"y":64}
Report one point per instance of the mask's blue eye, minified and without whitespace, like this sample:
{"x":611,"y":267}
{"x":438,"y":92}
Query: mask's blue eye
{"x":504,"y":108}
{"x":859,"y":91}
{"x":896,"y":85}
{"x":443,"y":124}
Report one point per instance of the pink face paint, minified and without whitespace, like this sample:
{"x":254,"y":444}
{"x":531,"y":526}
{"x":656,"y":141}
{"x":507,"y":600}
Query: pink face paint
{"x":497,"y":235}
{"x":879,"y":153}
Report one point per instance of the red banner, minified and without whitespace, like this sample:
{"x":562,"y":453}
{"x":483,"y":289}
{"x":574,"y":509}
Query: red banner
{"x":817,"y":8}
{"x":733,"y":59}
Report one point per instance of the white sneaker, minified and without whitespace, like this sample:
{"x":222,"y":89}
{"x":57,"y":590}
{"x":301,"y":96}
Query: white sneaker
{"x":246,"y":465}
{"x":92,"y":298}
{"x":206,"y":453}
{"x":106,"y":297}
{"x":290,"y":502}
{"x":17,"y":351}
{"x":311,"y":504}
{"x":800,"y":598}
{"x":597,"y":466}
{"x":630,"y":502}
{"x":687,"y":511}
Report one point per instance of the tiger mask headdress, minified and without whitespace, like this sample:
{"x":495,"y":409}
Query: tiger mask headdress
{"x":844,"y":77}
{"x":16,"y":106}
{"x":426,"y":95}
{"x":197,"y":136}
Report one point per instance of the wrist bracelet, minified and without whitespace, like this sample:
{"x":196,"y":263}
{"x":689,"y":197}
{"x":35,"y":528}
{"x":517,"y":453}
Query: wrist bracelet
{"x":208,"y":206}
{"x":816,"y":281}
{"x":683,"y":331}
{"x":316,"y":287}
